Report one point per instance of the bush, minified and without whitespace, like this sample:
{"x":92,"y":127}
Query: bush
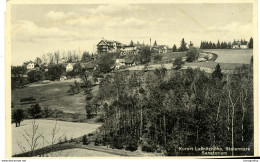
{"x":147,"y":148}
{"x":192,"y":55}
{"x":18,"y":116}
{"x":35,"y":76}
{"x":117,"y":142}
{"x":85,"y":140}
{"x":178,"y":63}
{"x":34,"y":111}
{"x":132,"y":146}
{"x":158,"y":58}
{"x":28,"y":99}
{"x":47,"y":111}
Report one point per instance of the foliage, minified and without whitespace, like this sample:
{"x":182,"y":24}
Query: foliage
{"x":212,"y":45}
{"x":35,"y":76}
{"x":85,"y":140}
{"x":217,"y":72}
{"x":158,"y":58}
{"x":85,"y":57}
{"x":174,"y":48}
{"x":18,"y":116}
{"x":192,"y":54}
{"x":144,"y":56}
{"x":185,"y":108}
{"x":131,"y":44}
{"x":28,"y":99}
{"x":105,"y":62}
{"x":47,"y":111}
{"x":34,"y":111}
{"x":251,"y":43}
{"x":183,"y":46}
{"x":74,"y":88}
{"x":55,"y":71}
{"x":17,"y":79}
{"x":178,"y":63}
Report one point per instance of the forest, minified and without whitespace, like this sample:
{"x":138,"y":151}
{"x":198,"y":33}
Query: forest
{"x":175,"y":112}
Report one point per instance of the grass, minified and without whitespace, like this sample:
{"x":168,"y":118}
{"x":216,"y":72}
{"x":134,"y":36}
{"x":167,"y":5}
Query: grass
{"x":212,"y":65}
{"x":54,"y":95}
{"x":174,"y":55}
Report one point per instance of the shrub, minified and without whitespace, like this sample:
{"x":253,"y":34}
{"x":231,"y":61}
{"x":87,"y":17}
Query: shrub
{"x":192,"y":55}
{"x":34,"y":110}
{"x":132,"y":146}
{"x":18,"y":116}
{"x":28,"y":99}
{"x":85,"y":140}
{"x":147,"y":148}
{"x":47,"y":111}
{"x":158,"y":58}
{"x":178,"y":63}
{"x":117,"y":142}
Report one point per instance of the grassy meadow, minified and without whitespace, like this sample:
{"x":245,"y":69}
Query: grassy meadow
{"x":54,"y":95}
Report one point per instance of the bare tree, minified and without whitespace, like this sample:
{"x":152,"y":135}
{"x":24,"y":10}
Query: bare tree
{"x":32,"y":139}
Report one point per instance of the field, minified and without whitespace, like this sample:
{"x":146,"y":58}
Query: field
{"x":212,"y":65}
{"x":241,"y":56}
{"x":67,"y":129}
{"x":174,"y":55}
{"x":77,"y":152}
{"x":55,"y":95}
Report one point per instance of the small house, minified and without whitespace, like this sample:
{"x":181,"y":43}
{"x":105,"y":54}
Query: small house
{"x":119,"y":63}
{"x":62,"y":78}
{"x":69,"y":67}
{"x":30,"y":65}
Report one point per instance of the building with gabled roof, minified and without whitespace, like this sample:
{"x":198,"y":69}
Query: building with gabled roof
{"x":108,"y":46}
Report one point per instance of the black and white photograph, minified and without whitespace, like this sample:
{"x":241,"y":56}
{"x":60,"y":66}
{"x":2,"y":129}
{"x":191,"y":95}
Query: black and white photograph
{"x":132,"y":79}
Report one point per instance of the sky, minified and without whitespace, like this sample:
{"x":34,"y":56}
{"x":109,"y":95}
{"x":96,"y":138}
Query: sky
{"x":43,"y":28}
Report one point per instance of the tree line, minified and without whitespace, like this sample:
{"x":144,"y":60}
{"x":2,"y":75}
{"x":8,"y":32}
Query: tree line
{"x":164,"y":110}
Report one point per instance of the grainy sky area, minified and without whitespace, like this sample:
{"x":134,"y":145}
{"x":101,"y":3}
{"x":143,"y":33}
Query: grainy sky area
{"x":39,"y":29}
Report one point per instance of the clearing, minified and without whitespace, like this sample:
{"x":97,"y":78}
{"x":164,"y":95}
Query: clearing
{"x":67,"y":130}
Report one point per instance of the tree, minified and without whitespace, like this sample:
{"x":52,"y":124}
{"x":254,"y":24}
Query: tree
{"x":34,"y":110}
{"x":174,"y":48}
{"x":250,"y":44}
{"x":178,"y":63}
{"x":57,"y":57}
{"x":85,"y":57}
{"x":85,"y":140}
{"x":18,"y":116}
{"x":192,"y":54}
{"x":38,"y":61}
{"x":55,"y":71}
{"x":155,"y":43}
{"x":17,"y":78}
{"x":131,"y":43}
{"x":217,"y":72}
{"x":144,"y":56}
{"x":105,"y":62}
{"x":218,"y":45}
{"x":191,"y":44}
{"x":35,"y":76}
{"x":183,"y":46}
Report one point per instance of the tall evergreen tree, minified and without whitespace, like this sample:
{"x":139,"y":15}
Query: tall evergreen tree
{"x":183,"y":45}
{"x":131,"y":44}
{"x":217,"y":72}
{"x":250,"y":44}
{"x":174,"y":48}
{"x":155,"y":43}
{"x":218,"y":45}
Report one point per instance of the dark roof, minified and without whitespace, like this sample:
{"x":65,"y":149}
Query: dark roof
{"x":111,"y":42}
